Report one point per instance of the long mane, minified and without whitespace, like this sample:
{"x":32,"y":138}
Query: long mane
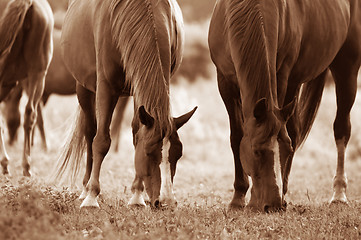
{"x":136,"y":35}
{"x":249,"y":48}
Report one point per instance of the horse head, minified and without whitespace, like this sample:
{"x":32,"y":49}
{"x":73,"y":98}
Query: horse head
{"x":264,"y":143}
{"x":152,"y":148}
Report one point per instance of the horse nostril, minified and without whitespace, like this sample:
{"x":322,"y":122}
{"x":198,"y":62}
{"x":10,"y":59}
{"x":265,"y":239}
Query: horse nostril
{"x":266,"y":208}
{"x":157,"y":203}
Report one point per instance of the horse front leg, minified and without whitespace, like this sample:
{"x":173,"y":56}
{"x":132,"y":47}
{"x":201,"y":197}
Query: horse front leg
{"x":105,"y":102}
{"x":34,"y":87}
{"x":86,"y":100}
{"x":231,"y":98}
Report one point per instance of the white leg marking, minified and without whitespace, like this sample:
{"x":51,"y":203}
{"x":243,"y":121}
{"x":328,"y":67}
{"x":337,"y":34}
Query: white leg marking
{"x":4,"y":157}
{"x":83,"y":194}
{"x":340,"y":179}
{"x":166,"y":190}
{"x":277,"y":169}
{"x":90,"y":201}
{"x":137,"y":199}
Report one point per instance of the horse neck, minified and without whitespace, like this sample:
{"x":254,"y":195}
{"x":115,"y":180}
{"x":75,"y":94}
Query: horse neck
{"x":141,"y":34}
{"x":250,"y":53}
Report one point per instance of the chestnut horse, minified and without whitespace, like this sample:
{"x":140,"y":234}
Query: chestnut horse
{"x":271,"y":58}
{"x":26,"y":49}
{"x":58,"y":81}
{"x":119,"y":48}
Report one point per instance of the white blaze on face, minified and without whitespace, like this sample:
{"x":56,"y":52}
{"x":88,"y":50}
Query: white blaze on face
{"x":166,"y":189}
{"x":277,"y":168}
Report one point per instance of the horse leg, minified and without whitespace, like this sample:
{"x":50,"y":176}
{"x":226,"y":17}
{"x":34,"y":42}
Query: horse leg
{"x":40,"y":124}
{"x":105,"y":103}
{"x":344,"y":70}
{"x":12,"y":112}
{"x":34,"y":87}
{"x":117,"y":121}
{"x":4,"y":157}
{"x":137,"y":198}
{"x":231,"y":98}
{"x":86,"y":100}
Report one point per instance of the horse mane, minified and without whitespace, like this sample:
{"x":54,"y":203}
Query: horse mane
{"x":11,"y":22}
{"x":136,"y":36}
{"x":249,"y":48}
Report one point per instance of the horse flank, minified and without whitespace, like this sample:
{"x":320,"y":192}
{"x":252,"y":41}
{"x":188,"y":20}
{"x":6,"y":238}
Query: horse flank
{"x":11,"y":22}
{"x":249,"y":48}
{"x":135,"y":34}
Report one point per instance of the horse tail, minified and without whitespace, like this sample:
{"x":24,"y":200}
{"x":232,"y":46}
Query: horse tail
{"x":308,"y":105}
{"x":249,"y":48}
{"x":11,"y":22}
{"x":73,"y":150}
{"x":141,"y":35}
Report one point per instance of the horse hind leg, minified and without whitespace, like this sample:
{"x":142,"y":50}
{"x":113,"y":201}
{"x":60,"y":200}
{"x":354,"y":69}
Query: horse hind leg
{"x":40,"y":124}
{"x":231,"y":99}
{"x":117,"y":121}
{"x":34,"y":87}
{"x":344,"y":71}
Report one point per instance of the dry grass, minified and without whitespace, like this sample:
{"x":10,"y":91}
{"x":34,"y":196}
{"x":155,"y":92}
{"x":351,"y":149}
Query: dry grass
{"x":35,"y":209}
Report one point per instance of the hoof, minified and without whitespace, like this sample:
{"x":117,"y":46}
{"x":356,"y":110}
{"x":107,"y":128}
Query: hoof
{"x":4,"y":164}
{"x":237,"y":204}
{"x":83,"y":194}
{"x":137,"y":200}
{"x":26,"y":173}
{"x":166,"y":203}
{"x":89,"y":202}
{"x":338,"y":198}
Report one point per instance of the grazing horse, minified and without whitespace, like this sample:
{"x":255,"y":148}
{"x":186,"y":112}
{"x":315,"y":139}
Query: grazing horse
{"x":119,"y":48}
{"x":26,"y":49}
{"x":272,"y":57}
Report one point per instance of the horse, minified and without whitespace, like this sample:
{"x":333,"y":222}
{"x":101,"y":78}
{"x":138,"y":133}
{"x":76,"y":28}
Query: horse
{"x":26,"y":50}
{"x":119,"y":48}
{"x":58,"y":81}
{"x":271,"y":58}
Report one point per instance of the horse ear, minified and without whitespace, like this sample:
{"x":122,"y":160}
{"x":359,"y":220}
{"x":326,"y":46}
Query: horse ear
{"x":180,"y":121}
{"x":145,"y":118}
{"x":260,"y":110}
{"x":288,"y":110}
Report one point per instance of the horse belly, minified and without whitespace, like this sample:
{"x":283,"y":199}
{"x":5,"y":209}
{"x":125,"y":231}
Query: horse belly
{"x":78,"y":45}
